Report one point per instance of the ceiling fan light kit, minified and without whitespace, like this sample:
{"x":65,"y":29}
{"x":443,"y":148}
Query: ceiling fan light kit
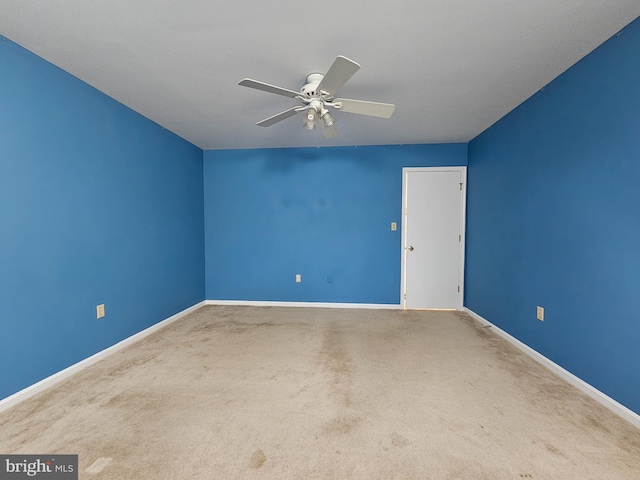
{"x":318,"y":94}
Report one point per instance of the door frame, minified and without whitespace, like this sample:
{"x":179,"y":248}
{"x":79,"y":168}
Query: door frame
{"x":403,"y":236}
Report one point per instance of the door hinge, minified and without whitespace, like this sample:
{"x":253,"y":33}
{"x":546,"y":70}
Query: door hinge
{"x":459,"y":238}
{"x":458,"y":288}
{"x":460,"y":186}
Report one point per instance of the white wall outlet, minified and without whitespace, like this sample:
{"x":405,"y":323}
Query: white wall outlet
{"x":540,"y":313}
{"x":100,"y":311}
{"x":394,"y":226}
{"x":298,"y":278}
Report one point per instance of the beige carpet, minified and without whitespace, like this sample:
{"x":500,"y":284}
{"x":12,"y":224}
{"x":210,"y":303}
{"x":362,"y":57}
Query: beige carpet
{"x":294,"y":393}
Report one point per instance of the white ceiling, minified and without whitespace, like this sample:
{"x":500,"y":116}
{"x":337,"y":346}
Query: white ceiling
{"x":452,"y":67}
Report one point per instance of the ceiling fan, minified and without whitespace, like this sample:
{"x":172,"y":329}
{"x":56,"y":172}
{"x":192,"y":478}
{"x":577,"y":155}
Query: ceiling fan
{"x":318,"y":94}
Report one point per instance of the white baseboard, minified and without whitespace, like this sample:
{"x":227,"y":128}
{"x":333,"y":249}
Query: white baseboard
{"x":252,"y":303}
{"x":597,"y":395}
{"x":32,"y":390}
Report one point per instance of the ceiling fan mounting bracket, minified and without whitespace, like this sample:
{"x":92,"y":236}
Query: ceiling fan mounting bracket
{"x":315,"y":77}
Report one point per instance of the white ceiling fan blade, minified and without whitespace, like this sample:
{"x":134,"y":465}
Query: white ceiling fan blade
{"x":267,"y":122}
{"x":338,"y":74}
{"x":330,"y":132}
{"x":362,"y":107}
{"x":265,"y":87}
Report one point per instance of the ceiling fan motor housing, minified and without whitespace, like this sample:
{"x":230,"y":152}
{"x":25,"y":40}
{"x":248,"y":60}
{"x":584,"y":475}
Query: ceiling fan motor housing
{"x":310,"y":88}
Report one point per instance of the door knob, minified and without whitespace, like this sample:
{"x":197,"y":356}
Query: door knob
{"x":410,"y":248}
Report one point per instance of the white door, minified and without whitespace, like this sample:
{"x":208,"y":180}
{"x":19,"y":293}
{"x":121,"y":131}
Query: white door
{"x":433,"y":237}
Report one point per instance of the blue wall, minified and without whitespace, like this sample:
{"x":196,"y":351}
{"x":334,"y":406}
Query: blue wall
{"x":322,"y":212}
{"x":97,"y":205}
{"x":553,"y":219}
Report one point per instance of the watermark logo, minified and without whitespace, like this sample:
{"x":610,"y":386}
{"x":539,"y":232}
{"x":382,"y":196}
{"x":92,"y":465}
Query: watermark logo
{"x":43,"y":467}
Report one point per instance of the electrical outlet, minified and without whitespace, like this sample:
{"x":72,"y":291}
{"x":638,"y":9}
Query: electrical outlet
{"x":100,"y":311}
{"x":394,"y":226}
{"x":298,"y":278}
{"x":540,"y":313}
